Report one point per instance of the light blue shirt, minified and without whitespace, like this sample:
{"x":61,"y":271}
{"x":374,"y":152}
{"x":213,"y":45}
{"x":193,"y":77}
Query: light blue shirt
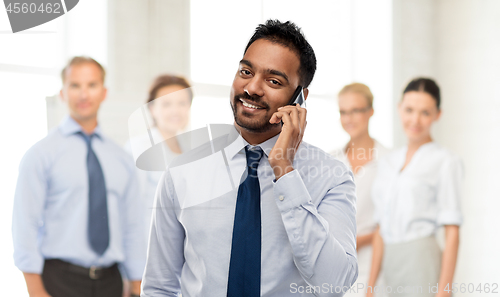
{"x":308,"y":223}
{"x":51,"y":204}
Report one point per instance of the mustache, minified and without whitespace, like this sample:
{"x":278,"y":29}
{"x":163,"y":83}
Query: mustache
{"x":254,"y":99}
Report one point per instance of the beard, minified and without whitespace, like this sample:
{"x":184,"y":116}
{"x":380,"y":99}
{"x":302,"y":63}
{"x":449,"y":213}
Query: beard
{"x":248,"y":121}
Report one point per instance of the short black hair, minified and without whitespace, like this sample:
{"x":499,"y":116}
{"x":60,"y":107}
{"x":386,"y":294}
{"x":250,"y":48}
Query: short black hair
{"x":289,"y":35}
{"x":427,"y":85}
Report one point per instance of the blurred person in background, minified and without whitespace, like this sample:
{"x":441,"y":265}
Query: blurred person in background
{"x":75,"y":203}
{"x":417,"y":191}
{"x":169,"y":103}
{"x":360,"y":154}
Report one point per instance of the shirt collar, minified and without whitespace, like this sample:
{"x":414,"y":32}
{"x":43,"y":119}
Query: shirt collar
{"x":69,"y":126}
{"x":239,"y":144}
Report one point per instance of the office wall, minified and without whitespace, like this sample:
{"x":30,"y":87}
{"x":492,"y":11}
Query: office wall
{"x":468,"y":68}
{"x":146,"y":38}
{"x":414,"y":44}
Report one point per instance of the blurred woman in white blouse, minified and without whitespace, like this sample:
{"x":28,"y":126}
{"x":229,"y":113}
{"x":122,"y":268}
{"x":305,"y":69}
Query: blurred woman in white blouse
{"x":169,"y":103}
{"x":417,"y":191}
{"x":360,"y":154}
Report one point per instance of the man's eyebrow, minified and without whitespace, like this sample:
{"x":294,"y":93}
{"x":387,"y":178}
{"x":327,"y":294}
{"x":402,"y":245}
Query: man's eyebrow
{"x":279,"y":73}
{"x":269,"y":71}
{"x":246,"y":62}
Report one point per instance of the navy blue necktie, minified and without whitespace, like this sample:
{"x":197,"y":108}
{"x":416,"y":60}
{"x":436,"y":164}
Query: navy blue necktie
{"x":98,"y":228}
{"x":244,"y":267}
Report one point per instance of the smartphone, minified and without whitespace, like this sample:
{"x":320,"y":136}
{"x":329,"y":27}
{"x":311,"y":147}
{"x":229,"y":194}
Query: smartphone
{"x":297,"y":97}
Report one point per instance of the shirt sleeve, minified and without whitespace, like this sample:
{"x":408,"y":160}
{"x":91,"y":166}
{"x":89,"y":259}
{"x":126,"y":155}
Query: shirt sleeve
{"x":322,"y":238}
{"x":27,"y":219}
{"x":134,"y":237}
{"x":165,"y":256}
{"x":449,"y":191}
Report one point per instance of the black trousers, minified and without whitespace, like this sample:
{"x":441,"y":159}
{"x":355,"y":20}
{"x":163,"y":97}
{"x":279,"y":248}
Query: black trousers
{"x":62,"y":279}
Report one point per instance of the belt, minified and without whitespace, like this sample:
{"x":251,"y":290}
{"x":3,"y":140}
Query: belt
{"x":94,"y":272}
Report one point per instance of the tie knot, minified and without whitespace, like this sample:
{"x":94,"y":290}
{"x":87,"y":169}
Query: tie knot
{"x":86,"y":137}
{"x":253,"y":156}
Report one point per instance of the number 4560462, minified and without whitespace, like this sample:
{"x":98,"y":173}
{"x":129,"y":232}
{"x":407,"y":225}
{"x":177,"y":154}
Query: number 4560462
{"x":34,"y":8}
{"x":472,"y":288}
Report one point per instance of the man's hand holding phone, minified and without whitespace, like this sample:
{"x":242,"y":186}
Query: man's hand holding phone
{"x":294,"y":122}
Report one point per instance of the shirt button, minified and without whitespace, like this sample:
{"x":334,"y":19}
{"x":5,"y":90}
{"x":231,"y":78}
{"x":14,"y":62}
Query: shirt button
{"x":282,"y":197}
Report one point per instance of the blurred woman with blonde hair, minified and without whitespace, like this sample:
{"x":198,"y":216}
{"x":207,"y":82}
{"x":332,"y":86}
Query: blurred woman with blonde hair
{"x":360,"y":154}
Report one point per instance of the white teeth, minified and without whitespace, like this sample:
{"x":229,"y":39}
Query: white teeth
{"x":250,"y":105}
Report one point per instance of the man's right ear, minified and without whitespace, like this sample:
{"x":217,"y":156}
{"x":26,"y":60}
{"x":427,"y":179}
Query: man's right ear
{"x":61,"y":95}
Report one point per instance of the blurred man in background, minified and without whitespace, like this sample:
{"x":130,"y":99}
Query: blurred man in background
{"x":74,"y":215}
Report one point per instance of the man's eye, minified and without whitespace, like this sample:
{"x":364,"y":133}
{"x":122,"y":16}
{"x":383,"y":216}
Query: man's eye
{"x":408,"y":110}
{"x":245,"y":72}
{"x":275,"y":82}
{"x":426,"y":113}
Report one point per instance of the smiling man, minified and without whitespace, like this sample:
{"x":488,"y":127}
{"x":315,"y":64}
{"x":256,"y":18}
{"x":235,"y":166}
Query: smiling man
{"x":75,"y":208}
{"x":288,"y":226}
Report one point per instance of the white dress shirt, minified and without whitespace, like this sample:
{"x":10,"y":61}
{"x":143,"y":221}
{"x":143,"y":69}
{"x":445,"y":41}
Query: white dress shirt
{"x":365,"y":210}
{"x":413,"y":203}
{"x":308,"y":223}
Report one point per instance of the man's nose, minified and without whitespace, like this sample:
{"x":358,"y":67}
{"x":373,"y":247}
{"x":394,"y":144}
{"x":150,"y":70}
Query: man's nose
{"x":254,"y":87}
{"x":84,"y":93}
